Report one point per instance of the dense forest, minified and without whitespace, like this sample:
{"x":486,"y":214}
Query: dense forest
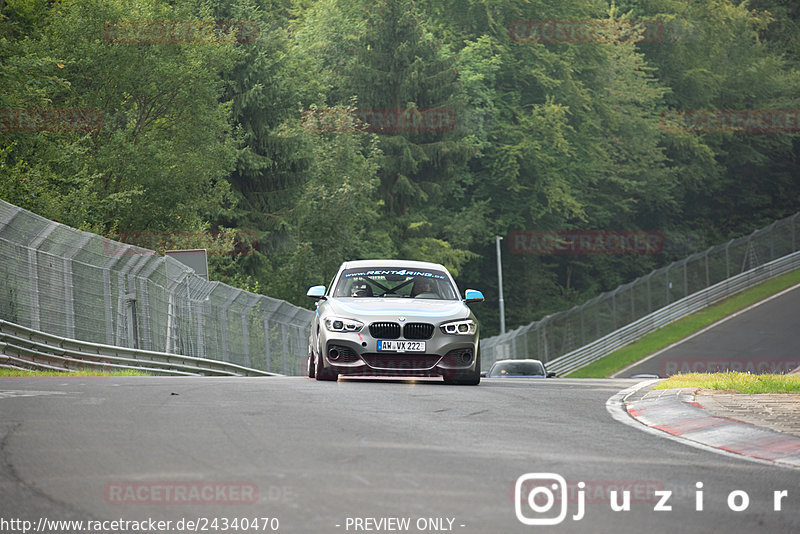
{"x":286,"y":136}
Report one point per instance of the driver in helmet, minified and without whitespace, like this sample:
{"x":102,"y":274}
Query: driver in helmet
{"x":360,"y":289}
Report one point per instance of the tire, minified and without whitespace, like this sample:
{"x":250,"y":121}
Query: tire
{"x":468,"y":378}
{"x":324,"y":374}
{"x":310,"y":370}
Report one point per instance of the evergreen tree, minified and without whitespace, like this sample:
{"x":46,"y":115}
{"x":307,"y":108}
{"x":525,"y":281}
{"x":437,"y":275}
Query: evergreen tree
{"x":407,"y":89}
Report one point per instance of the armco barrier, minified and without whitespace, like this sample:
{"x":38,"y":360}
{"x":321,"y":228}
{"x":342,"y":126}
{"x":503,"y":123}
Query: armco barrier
{"x":686,"y":306}
{"x":27,"y":349}
{"x":601,"y":318}
{"x":80,"y":286}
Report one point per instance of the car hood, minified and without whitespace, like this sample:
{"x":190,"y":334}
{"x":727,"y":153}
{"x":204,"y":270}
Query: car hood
{"x":396,"y":307}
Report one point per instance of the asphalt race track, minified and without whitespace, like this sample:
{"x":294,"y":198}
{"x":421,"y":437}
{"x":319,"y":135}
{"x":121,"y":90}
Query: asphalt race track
{"x":359,"y":456}
{"x":761,"y":339}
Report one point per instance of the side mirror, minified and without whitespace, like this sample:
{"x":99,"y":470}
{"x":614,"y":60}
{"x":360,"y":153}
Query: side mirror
{"x":551,"y":375}
{"x":316,"y":292}
{"x":483,"y":374}
{"x":473,"y":295}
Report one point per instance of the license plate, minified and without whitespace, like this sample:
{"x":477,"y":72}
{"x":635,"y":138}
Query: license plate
{"x":401,"y":346}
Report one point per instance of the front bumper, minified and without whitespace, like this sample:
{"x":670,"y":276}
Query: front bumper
{"x":356,"y":354}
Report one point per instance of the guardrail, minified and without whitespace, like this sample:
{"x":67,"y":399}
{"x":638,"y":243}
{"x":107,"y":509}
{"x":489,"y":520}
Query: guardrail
{"x":619,"y":338}
{"x":28,"y":349}
{"x":83,"y":286}
{"x":588,"y":324}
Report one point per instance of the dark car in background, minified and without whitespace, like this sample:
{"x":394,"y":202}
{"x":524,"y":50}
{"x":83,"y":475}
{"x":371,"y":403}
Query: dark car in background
{"x":518,"y":369}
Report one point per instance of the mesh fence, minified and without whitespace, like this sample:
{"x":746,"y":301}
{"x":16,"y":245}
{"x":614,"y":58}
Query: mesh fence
{"x":82,"y":286}
{"x":563,"y":332}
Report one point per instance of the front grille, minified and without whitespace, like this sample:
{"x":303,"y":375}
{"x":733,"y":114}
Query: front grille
{"x":401,"y":362}
{"x":418,"y":331}
{"x":346,"y":354}
{"x":384,"y":330}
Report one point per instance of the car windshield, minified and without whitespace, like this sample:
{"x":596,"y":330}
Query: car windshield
{"x":517,"y":369}
{"x":395,"y":282}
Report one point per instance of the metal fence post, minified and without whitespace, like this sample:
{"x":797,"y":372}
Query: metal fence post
{"x":199,"y":314}
{"x":614,"y":309}
{"x":108,"y":296}
{"x":224,"y":317}
{"x":633,"y":300}
{"x":525,"y":342}
{"x":668,"y":284}
{"x":685,"y":277}
{"x":33,"y":274}
{"x":246,"y":337}
{"x":545,"y":341}
{"x":727,"y":259}
{"x":246,"y":330}
{"x":285,"y":347}
{"x":144,"y":275}
{"x":133,"y":319}
{"x":772,"y":241}
{"x":266,"y":343}
{"x":69,"y":286}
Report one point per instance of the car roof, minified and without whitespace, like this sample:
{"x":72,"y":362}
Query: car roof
{"x":512,"y":360}
{"x":362,"y":264}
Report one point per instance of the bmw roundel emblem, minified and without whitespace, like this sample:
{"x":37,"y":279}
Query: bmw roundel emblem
{"x":401,"y":319}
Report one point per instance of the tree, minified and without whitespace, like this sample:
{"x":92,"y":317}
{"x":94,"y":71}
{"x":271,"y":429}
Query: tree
{"x":406,"y":86}
{"x":159,"y":162}
{"x":573,"y":143}
{"x":725,"y":55}
{"x":335,"y":218}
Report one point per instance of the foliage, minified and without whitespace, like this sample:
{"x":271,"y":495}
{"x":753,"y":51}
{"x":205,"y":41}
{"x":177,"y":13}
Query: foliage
{"x":160,"y":159}
{"x":265,"y":152}
{"x":734,"y":381}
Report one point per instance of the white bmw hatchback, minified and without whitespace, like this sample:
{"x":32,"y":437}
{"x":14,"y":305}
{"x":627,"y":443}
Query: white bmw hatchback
{"x":394,"y":318}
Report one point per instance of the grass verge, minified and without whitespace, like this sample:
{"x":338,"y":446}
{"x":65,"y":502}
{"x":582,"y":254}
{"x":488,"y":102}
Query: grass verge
{"x":687,"y":326}
{"x":17,"y":373}
{"x":734,"y":381}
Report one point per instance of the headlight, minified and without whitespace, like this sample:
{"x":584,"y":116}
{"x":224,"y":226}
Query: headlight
{"x":459,"y":328}
{"x":338,"y":324}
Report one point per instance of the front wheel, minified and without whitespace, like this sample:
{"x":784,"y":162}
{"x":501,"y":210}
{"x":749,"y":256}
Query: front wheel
{"x":467,"y":378}
{"x":310,"y":370}
{"x":324,"y":374}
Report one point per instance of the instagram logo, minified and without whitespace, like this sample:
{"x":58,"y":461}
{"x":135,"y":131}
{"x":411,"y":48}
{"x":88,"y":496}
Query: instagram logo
{"x":541,"y":491}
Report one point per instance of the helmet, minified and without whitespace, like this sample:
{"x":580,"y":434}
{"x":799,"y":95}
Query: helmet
{"x":360,"y":289}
